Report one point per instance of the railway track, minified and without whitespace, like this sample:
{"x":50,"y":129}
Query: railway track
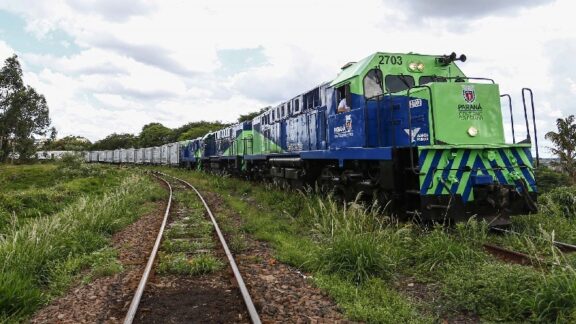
{"x":516,"y":257}
{"x":136,"y":300}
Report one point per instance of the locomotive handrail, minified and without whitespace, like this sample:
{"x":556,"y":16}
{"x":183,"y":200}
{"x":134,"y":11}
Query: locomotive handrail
{"x":524,"y":90}
{"x":511,"y":115}
{"x":470,"y":78}
{"x":430,"y":106}
{"x":365,"y":115}
{"x":391,"y":119}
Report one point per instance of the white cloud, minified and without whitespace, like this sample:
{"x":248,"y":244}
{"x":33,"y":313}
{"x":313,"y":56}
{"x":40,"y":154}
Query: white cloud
{"x":5,"y":50}
{"x":158,"y":61}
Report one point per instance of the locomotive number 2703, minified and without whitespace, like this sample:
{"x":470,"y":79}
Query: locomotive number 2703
{"x":387,"y":59}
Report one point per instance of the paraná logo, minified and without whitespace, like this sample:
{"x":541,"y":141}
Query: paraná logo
{"x":468,"y":93}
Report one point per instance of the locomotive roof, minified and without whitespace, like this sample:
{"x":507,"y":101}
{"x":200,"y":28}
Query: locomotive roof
{"x":355,"y":69}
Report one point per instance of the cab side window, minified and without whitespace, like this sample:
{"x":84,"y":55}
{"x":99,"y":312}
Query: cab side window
{"x":343,"y":92}
{"x":373,"y":84}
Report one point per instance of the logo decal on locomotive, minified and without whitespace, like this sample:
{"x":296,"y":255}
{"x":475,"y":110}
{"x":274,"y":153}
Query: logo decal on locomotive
{"x":415,"y":132}
{"x":415,"y":103}
{"x":468,"y":93}
{"x":469,"y":110}
{"x":345,"y":130}
{"x":348,"y":124}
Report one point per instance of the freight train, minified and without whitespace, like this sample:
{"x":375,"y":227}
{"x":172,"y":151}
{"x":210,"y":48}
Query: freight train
{"x":410,"y":129}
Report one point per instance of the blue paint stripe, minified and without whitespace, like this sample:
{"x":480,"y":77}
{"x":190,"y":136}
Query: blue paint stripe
{"x":422,"y":157}
{"x":528,"y":152}
{"x":445,"y":174}
{"x":429,"y":173}
{"x":525,"y":172}
{"x":460,"y":171}
{"x":508,"y":165}
{"x":498,"y":172}
{"x":477,"y":166}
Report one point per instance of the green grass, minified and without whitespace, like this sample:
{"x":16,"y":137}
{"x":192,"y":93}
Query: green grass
{"x":372,"y":302}
{"x":19,"y":177}
{"x":182,"y":264}
{"x":31,"y":191}
{"x":188,"y":243}
{"x":41,"y":257}
{"x":100,"y":263}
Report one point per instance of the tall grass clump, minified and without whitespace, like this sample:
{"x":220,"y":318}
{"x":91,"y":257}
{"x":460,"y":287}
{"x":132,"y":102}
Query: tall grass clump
{"x":28,"y":253}
{"x":357,"y":242}
{"x":441,"y":248}
{"x":555,"y":297}
{"x":73,"y":165}
{"x":557,"y":215}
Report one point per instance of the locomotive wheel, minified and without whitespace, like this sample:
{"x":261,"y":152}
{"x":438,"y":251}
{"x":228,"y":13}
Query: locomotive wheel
{"x":385,"y":200}
{"x":326,"y":181}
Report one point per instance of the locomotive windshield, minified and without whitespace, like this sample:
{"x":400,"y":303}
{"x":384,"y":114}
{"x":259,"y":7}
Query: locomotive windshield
{"x":395,"y":83}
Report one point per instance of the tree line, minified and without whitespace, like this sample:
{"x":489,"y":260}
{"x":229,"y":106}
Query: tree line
{"x":155,"y":134}
{"x":152,"y":134}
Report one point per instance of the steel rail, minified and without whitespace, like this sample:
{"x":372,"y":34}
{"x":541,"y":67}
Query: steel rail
{"x":564,"y":247}
{"x":508,"y":255}
{"x":140,"y":290}
{"x":243,"y":290}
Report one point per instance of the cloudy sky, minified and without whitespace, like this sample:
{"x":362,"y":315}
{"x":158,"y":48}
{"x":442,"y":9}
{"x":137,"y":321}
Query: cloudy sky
{"x":112,"y":66}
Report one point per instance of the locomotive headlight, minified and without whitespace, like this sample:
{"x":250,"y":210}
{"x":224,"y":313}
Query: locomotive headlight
{"x":472,"y":131}
{"x":416,"y":66}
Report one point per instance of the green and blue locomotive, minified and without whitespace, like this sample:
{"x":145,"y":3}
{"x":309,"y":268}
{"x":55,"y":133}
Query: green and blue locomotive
{"x":415,"y":130}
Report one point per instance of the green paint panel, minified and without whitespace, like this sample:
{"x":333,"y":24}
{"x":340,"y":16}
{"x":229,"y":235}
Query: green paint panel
{"x":262,"y":145}
{"x":242,"y":145}
{"x":466,"y":113}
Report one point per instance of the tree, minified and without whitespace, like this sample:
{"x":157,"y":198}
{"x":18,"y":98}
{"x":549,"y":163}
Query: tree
{"x":548,"y":179}
{"x":251,"y":115}
{"x":23,"y":112}
{"x":69,"y":143}
{"x":197,"y":129}
{"x":116,"y":141}
{"x":565,"y":144}
{"x":155,"y":134}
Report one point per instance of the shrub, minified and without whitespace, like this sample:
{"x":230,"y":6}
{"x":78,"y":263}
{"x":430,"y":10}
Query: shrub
{"x":72,"y":166}
{"x":560,"y":201}
{"x":548,"y":179}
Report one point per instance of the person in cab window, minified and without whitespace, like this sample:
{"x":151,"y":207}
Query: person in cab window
{"x":343,"y":106}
